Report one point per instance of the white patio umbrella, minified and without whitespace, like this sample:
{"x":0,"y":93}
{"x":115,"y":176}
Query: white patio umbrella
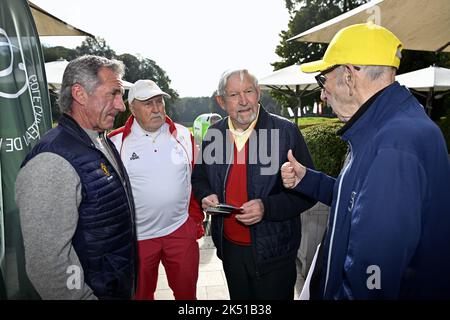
{"x":419,"y":24}
{"x":431,"y":80}
{"x":289,"y":78}
{"x":291,"y":81}
{"x":424,"y":79}
{"x":55,"y":70}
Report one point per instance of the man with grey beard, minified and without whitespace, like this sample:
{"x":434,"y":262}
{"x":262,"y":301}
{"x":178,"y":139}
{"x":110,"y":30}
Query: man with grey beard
{"x":159,"y":156}
{"x":257,"y":241}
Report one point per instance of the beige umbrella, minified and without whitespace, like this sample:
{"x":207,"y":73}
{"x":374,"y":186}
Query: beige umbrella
{"x":49,"y":25}
{"x":419,"y":24}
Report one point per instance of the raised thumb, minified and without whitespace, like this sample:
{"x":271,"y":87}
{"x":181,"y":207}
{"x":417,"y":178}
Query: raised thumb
{"x":294,"y":163}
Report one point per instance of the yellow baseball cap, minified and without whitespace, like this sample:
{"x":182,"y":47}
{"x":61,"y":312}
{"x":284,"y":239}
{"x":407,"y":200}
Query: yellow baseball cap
{"x":359,"y":44}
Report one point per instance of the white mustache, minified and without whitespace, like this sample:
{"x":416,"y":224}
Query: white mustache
{"x":159,"y":115}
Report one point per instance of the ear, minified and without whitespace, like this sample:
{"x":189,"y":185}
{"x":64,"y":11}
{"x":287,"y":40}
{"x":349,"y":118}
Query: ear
{"x":79,"y":94}
{"x":258,"y":91}
{"x":350,"y":79}
{"x":220,"y":101}
{"x":131,"y":107}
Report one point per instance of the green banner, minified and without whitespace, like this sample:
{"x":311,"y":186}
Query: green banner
{"x":24,"y":117}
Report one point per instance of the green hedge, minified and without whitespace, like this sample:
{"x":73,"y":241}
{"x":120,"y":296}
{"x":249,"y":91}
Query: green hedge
{"x":326,"y":148}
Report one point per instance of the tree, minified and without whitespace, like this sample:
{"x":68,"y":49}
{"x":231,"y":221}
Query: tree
{"x":59,"y":52}
{"x":144,"y":68}
{"x":95,"y":46}
{"x":135,"y":68}
{"x":305,"y":14}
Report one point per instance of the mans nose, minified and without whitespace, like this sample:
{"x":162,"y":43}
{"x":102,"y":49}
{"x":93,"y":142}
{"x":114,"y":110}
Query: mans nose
{"x":118,"y":103}
{"x":323,"y":96}
{"x":243,"y":99}
{"x":154,"y":107}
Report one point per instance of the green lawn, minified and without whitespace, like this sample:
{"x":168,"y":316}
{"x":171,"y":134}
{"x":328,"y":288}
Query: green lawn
{"x":311,"y":121}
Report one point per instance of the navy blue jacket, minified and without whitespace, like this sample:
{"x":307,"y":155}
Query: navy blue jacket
{"x":389,"y":227}
{"x":104,"y":240}
{"x":277,"y":236}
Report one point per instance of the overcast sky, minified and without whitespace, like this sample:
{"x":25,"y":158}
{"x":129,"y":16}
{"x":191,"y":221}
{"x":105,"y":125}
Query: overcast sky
{"x":194,"y":41}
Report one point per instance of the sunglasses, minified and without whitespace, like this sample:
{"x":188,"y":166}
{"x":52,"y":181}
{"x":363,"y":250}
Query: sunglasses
{"x":321,"y":79}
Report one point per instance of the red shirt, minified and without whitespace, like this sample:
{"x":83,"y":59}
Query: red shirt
{"x":236,"y":195}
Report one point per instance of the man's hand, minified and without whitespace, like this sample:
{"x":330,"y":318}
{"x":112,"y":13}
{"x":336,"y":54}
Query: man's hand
{"x":210,"y":201}
{"x":292,"y":172}
{"x":252,"y":212}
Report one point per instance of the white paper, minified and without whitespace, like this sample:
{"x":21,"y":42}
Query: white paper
{"x":304,"y":295}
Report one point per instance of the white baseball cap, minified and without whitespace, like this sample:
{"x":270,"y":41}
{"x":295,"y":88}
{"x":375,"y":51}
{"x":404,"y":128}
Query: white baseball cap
{"x":144,"y":90}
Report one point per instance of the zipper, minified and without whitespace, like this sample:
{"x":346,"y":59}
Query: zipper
{"x":124,"y":185}
{"x":330,"y":249}
{"x":224,"y":193}
{"x":122,"y":179}
{"x":252,"y":235}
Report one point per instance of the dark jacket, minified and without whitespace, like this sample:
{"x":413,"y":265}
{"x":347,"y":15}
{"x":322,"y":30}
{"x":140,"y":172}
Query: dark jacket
{"x":389,"y":222}
{"x":277,"y":236}
{"x":105,"y":237}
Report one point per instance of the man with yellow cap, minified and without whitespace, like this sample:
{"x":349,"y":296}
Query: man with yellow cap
{"x":389,"y":225}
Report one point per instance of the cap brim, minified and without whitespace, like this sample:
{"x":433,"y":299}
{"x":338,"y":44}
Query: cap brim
{"x":315,"y":66}
{"x":152,"y":96}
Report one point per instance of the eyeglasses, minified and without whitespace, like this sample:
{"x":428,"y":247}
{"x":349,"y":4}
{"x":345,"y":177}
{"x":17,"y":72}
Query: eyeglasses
{"x":321,"y":79}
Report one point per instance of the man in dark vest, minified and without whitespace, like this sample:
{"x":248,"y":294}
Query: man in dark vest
{"x":74,"y":196}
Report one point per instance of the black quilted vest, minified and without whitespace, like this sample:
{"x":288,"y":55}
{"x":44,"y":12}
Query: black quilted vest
{"x":105,"y":240}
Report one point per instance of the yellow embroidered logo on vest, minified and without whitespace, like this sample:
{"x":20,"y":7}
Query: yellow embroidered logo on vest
{"x":105,"y":169}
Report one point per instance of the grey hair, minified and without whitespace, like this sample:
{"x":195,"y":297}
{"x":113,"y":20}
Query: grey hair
{"x":226,"y":75}
{"x":377,"y":72}
{"x":84,"y":71}
{"x":373,"y":73}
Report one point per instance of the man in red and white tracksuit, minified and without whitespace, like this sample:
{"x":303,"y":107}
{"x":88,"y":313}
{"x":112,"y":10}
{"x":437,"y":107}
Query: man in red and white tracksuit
{"x":159,"y":155}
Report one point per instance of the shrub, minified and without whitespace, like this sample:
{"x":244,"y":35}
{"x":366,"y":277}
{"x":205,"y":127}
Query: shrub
{"x":326,"y":148}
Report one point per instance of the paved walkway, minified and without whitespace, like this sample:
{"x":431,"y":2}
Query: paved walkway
{"x":211,"y":283}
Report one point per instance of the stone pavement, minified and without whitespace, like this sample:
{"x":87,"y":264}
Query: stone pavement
{"x":211,"y":283}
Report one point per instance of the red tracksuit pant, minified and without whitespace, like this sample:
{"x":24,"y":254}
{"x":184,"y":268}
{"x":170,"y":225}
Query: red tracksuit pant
{"x":179,"y":254}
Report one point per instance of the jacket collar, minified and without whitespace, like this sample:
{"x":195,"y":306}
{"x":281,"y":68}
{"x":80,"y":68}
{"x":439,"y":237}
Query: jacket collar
{"x":73,"y":128}
{"x":382,"y":107}
{"x":358,"y":114}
